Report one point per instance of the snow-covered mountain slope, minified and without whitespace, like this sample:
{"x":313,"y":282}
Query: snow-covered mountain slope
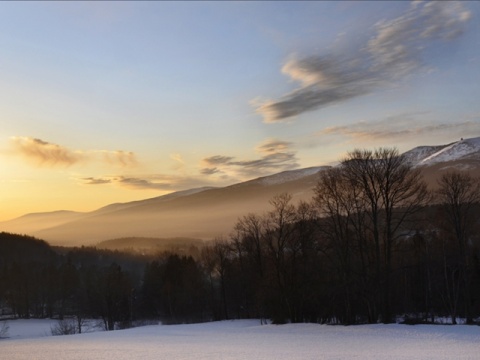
{"x":419,"y":153}
{"x":464,"y":149}
{"x":291,"y":175}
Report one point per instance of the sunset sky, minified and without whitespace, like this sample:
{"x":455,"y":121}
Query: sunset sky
{"x":105,"y":102}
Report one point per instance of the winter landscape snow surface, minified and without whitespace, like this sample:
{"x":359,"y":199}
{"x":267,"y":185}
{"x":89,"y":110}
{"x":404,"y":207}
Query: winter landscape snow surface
{"x":245,"y":339}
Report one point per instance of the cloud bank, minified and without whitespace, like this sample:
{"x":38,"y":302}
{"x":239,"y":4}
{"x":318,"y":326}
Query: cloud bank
{"x":395,"y":50}
{"x":274,"y":155}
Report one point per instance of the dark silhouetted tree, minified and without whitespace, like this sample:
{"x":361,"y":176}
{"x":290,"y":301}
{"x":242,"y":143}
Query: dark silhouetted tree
{"x":459,"y":194}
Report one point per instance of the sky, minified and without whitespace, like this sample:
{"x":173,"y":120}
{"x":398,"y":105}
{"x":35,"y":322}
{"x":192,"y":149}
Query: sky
{"x":106,"y":102}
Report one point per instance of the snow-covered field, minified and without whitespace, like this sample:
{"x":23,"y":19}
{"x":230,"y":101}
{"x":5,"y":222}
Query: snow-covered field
{"x":244,"y":339}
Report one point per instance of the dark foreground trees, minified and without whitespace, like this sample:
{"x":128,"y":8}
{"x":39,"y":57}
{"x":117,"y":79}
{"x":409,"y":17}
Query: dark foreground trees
{"x":367,"y":248}
{"x":366,"y":204}
{"x":174,"y":290}
{"x":459,"y":196}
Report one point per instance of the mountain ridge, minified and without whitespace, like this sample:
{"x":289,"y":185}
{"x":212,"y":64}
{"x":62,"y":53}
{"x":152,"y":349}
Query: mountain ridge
{"x":207,"y":212}
{"x":174,"y":214}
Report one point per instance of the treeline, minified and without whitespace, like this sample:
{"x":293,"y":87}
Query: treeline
{"x":39,"y":281}
{"x":374,"y":244}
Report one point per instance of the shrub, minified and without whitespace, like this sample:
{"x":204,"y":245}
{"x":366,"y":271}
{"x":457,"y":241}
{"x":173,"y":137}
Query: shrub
{"x":64,"y":327}
{"x":4,"y":329}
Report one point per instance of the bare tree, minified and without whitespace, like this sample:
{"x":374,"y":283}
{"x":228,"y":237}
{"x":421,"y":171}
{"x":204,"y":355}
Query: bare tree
{"x":342,"y":226}
{"x":459,"y":193}
{"x":249,"y":230}
{"x":249,"y":248}
{"x":216,"y":259}
{"x":392,"y":192}
{"x":279,"y":229}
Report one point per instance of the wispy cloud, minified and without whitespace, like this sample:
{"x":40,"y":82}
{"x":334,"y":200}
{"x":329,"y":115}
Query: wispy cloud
{"x":393,"y":52}
{"x":325,"y":80}
{"x":95,"y":181}
{"x":218,"y":160}
{"x":120,"y":158}
{"x":275,"y":155}
{"x":179,"y":162}
{"x":44,"y":153}
{"x":209,"y":171}
{"x":274,"y":146}
{"x":139,"y":183}
{"x":397,"y":127}
{"x":399,"y":43}
{"x":218,"y":170}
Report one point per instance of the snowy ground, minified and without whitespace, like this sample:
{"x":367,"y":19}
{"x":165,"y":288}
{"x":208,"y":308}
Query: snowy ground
{"x":245,"y":339}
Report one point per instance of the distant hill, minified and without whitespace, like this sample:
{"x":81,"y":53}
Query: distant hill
{"x":152,"y":245}
{"x":31,"y":223}
{"x":206,"y":213}
{"x":203,"y":213}
{"x":23,"y":249}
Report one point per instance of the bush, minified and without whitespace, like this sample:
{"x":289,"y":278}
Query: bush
{"x":4,"y":329}
{"x":64,"y":327}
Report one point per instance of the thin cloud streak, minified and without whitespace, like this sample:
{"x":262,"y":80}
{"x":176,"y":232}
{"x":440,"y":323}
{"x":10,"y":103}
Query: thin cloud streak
{"x":138,"y":183}
{"x":398,"y":129}
{"x":120,"y":158}
{"x":394,"y":52}
{"x":218,"y":160}
{"x":273,"y":146}
{"x":159,"y":182}
{"x":95,"y":181}
{"x":209,"y":171}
